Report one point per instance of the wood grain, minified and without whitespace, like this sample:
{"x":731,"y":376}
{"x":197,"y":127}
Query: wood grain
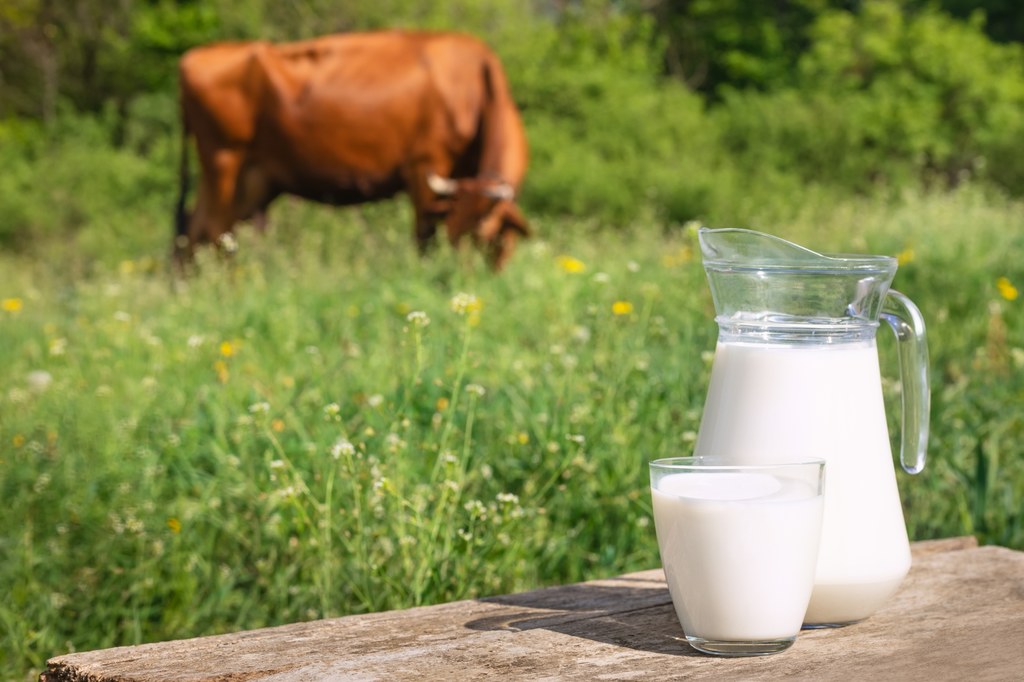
{"x":960,"y":612}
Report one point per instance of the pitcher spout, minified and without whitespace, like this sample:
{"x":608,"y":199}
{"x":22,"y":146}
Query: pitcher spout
{"x":757,"y":277}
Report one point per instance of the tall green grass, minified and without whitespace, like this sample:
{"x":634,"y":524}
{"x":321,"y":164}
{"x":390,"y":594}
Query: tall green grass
{"x":327,"y":424}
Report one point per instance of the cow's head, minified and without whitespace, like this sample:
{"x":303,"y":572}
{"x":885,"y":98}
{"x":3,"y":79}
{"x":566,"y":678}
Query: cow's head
{"x":485,"y":210}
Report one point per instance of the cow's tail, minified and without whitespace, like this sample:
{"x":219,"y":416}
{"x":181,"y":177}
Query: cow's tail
{"x":181,"y":216}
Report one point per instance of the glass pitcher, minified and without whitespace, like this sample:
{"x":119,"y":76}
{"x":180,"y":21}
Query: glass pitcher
{"x":796,"y":375}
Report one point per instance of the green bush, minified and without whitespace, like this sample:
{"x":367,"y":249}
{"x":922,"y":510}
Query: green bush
{"x":923,"y":90}
{"x":887,"y":100}
{"x":69,"y":188}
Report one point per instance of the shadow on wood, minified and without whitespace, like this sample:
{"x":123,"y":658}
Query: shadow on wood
{"x":638,"y":615}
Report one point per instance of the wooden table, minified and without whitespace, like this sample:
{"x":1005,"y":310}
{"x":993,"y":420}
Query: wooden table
{"x":958,"y":616}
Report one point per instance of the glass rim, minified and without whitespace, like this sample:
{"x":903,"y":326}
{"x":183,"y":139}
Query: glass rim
{"x":718,"y":463}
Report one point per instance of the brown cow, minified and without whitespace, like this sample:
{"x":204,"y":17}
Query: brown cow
{"x":351,"y":118}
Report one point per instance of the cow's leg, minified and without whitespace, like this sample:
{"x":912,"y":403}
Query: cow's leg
{"x":253,"y":196}
{"x":502,"y":248}
{"x":426,"y":229}
{"x":428,"y":206}
{"x":217,"y":196}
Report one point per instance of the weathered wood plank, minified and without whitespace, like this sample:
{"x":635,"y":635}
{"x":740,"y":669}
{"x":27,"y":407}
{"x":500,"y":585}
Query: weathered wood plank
{"x":919,"y":549}
{"x":960,"y":611}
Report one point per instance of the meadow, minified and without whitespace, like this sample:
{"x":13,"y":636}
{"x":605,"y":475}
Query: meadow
{"x":326,"y":423}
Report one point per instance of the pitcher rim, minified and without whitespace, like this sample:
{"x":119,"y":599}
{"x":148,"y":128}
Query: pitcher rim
{"x":824,"y":262}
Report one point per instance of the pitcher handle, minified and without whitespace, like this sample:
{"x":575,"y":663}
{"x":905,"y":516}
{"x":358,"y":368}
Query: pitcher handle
{"x":905,"y":320}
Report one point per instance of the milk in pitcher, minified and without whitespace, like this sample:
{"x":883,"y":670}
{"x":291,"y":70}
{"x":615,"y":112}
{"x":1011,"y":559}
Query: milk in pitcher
{"x":778,"y":402}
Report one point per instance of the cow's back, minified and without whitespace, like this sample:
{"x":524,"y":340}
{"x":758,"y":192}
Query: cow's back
{"x":472,"y":83}
{"x":408,"y":78}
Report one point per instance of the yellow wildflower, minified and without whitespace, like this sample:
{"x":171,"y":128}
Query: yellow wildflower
{"x":221,"y":368}
{"x":570,"y":264}
{"x":522,"y":438}
{"x":1006,"y":289}
{"x":277,"y":425}
{"x":174,"y":525}
{"x":442,"y":404}
{"x":11,"y":305}
{"x":905,"y":256}
{"x":18,"y":440}
{"x":680,"y":256}
{"x":622,"y":308}
{"x":228,"y":348}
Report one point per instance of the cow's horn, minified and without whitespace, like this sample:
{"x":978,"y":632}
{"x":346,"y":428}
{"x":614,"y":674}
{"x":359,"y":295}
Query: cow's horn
{"x":439,"y":185}
{"x":500,"y":191}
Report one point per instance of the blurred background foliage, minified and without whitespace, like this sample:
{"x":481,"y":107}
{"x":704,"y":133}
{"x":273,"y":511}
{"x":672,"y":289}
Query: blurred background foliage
{"x":664,"y":108}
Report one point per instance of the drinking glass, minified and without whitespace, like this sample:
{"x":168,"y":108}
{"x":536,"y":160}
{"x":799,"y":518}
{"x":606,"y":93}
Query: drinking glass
{"x":739,"y":544}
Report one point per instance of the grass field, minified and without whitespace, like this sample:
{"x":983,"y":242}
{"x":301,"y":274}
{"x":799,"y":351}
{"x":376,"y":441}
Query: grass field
{"x":328,"y":424}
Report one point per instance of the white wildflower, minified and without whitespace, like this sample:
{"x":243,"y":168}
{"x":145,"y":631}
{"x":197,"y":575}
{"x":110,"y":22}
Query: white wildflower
{"x":394,"y":442}
{"x":418,"y":319}
{"x":342,"y":447}
{"x":463,"y":303}
{"x":507,"y":498}
{"x":41,"y":483}
{"x":228,"y":242}
{"x":39,"y":380}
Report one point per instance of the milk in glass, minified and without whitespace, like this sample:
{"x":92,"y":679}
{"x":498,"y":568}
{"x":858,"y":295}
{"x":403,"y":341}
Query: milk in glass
{"x":738,"y":551}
